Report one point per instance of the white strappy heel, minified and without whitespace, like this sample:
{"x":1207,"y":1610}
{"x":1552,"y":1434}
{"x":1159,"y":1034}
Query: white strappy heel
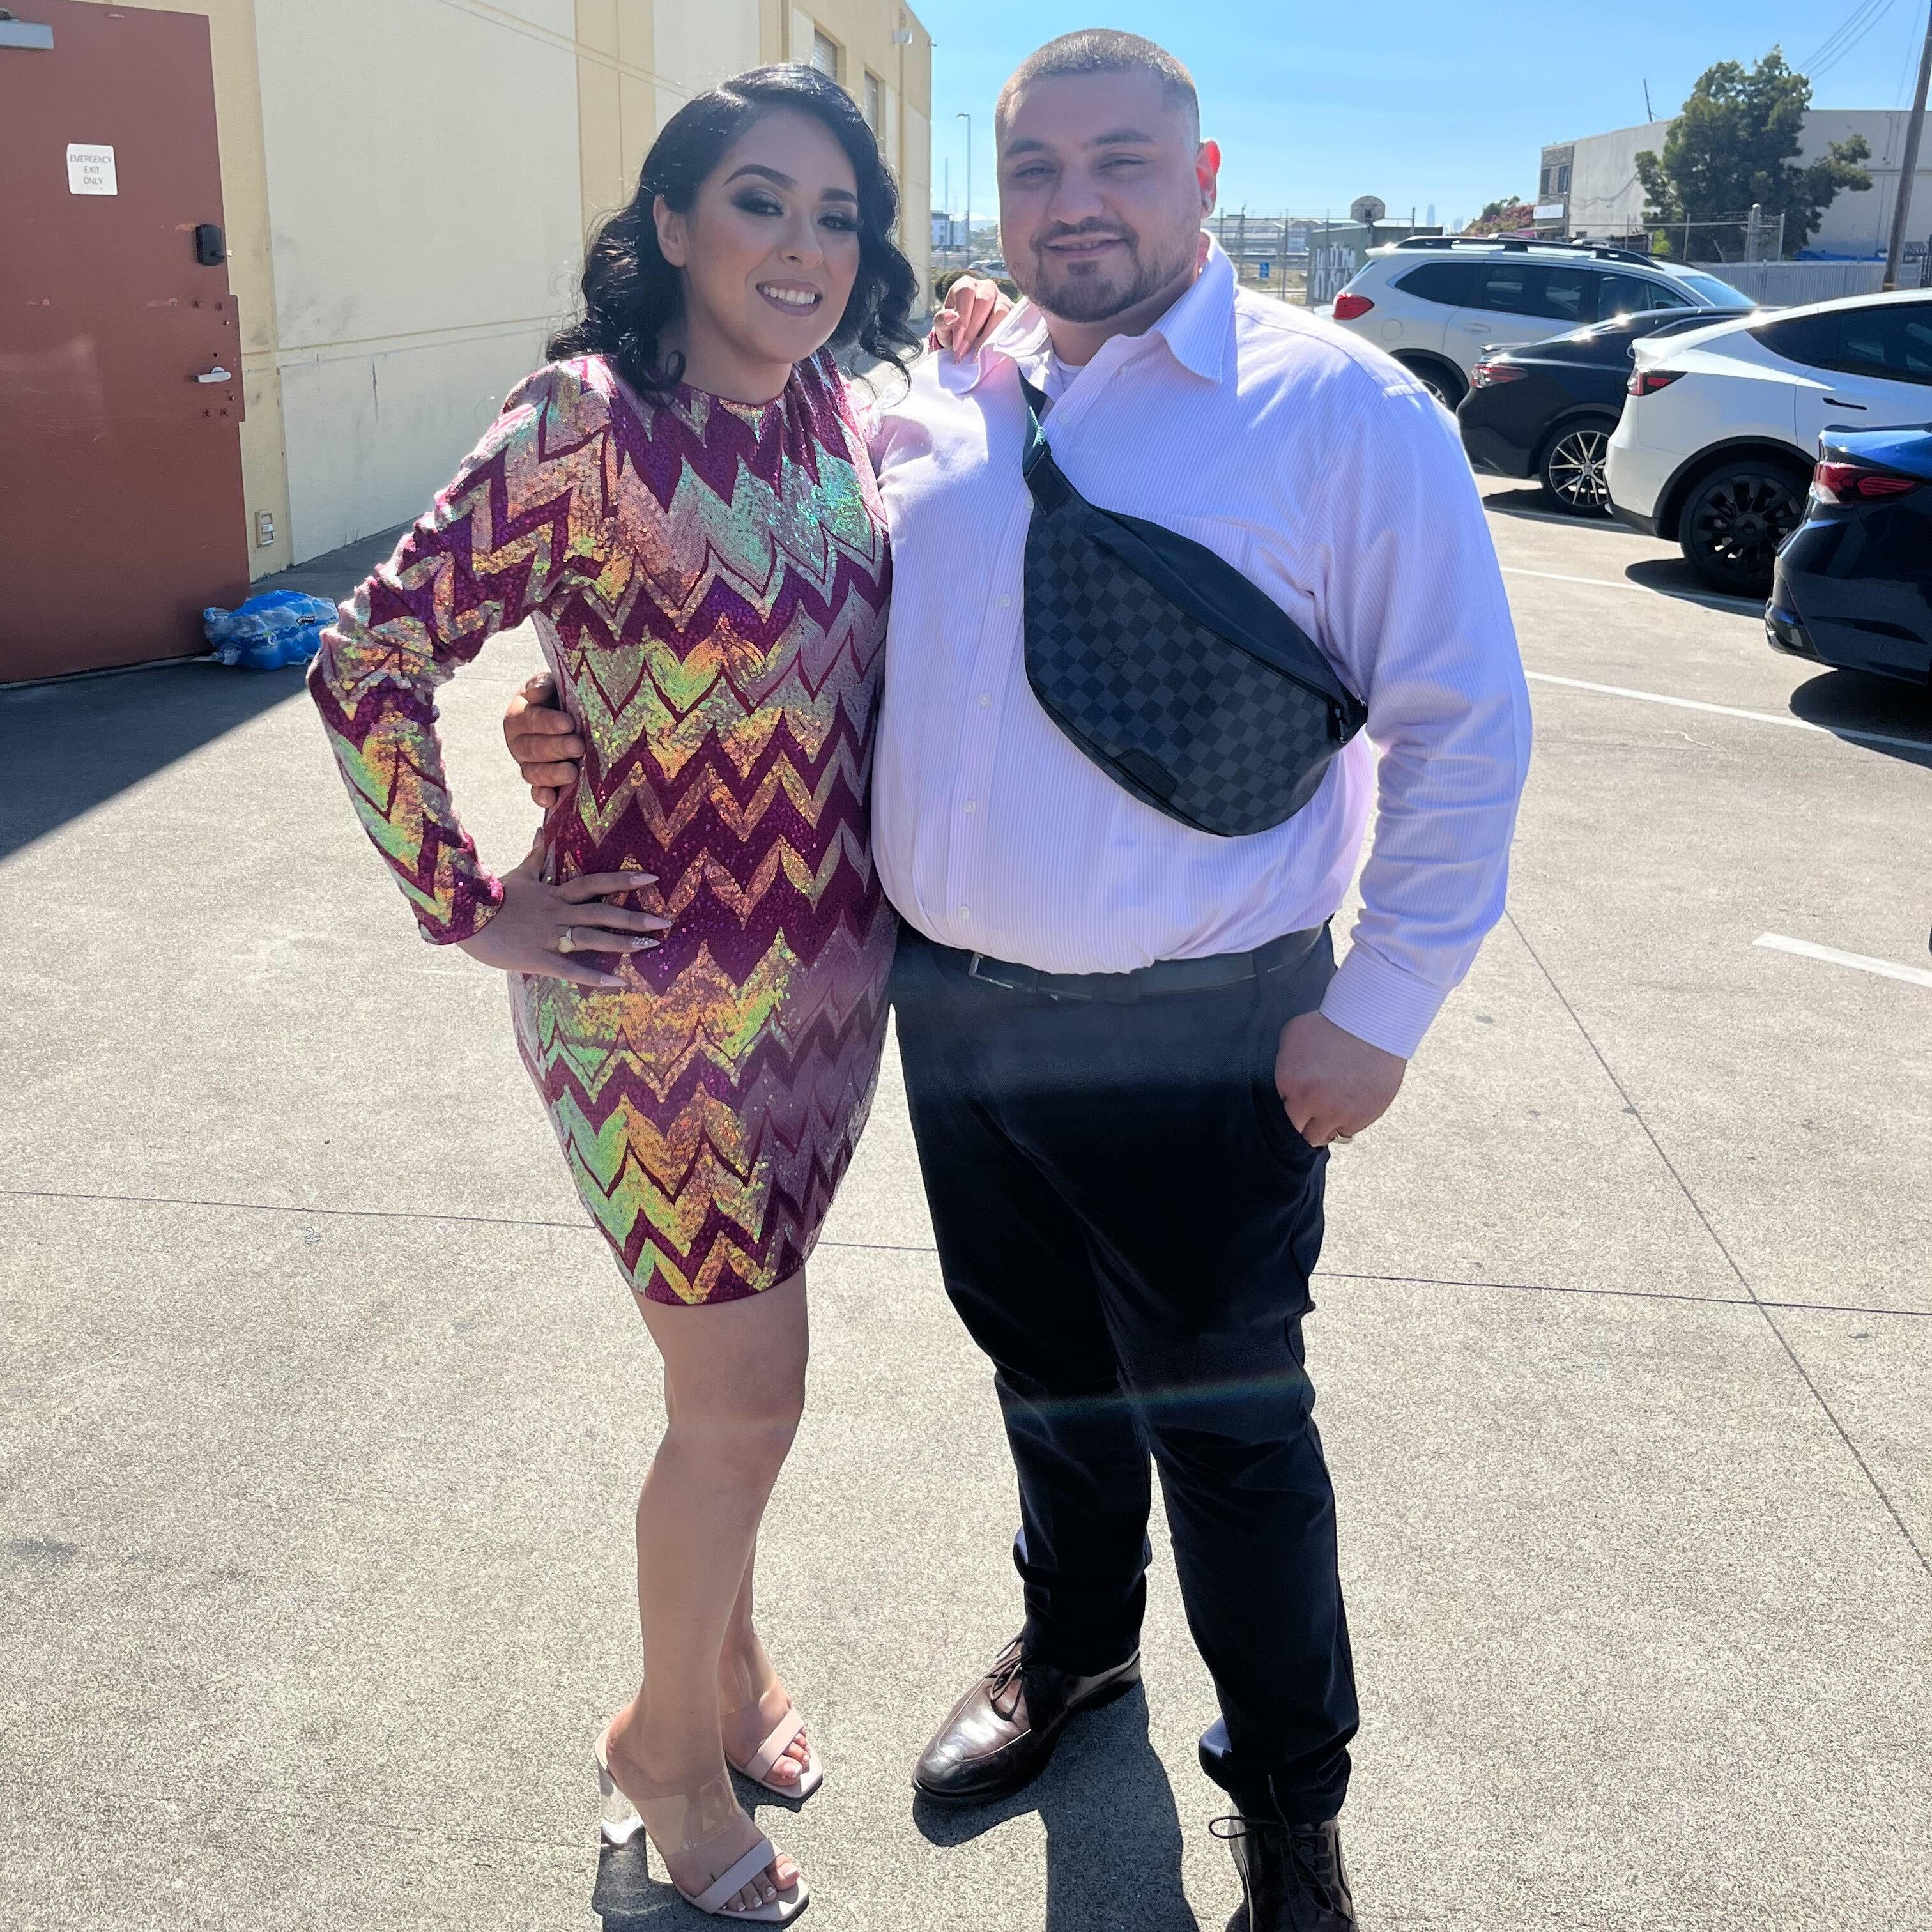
{"x":621,"y":1822}
{"x":758,"y":1766}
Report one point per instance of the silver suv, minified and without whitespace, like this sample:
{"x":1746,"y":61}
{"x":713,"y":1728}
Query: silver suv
{"x":1435,"y":302}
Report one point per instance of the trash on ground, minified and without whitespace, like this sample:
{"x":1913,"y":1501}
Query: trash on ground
{"x":278,"y":627}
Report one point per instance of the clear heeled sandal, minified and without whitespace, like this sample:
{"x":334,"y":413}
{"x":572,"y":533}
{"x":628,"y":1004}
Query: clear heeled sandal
{"x":678,"y":1822}
{"x":787,"y":1732}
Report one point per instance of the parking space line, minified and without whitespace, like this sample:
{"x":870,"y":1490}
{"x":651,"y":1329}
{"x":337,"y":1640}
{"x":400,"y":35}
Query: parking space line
{"x":1913,"y":975}
{"x":1744,"y":605}
{"x":1730,"y":711}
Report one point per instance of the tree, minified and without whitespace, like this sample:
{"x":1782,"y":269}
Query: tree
{"x":1500,"y":216}
{"x":1735,"y":142}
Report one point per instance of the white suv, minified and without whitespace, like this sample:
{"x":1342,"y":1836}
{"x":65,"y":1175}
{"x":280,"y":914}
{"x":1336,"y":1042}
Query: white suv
{"x":1435,"y":302}
{"x":1720,"y":429}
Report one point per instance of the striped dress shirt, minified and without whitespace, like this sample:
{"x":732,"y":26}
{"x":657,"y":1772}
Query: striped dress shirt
{"x":1319,"y":468}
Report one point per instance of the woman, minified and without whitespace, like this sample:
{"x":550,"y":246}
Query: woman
{"x":697,"y":946}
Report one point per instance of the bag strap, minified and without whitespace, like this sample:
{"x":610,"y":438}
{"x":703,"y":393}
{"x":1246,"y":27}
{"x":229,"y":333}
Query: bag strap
{"x":1050,"y":488}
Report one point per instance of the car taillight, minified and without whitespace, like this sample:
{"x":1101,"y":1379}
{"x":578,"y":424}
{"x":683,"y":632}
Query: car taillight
{"x":1486,"y":375}
{"x":1351,"y":308}
{"x":1648,"y":382}
{"x":1853,"y":482}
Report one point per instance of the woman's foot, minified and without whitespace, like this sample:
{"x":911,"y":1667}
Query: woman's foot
{"x":752,"y":1703}
{"x":693,"y":1818}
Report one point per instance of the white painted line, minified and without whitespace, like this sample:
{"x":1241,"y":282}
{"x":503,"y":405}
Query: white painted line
{"x":1729,"y":711}
{"x":1745,"y":605}
{"x":1914,"y":976}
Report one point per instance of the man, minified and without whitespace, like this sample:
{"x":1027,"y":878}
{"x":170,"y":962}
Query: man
{"x":1127,"y":1046}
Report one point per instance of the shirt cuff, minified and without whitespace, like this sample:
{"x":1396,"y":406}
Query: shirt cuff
{"x":476,"y":901}
{"x":1381,"y":1003}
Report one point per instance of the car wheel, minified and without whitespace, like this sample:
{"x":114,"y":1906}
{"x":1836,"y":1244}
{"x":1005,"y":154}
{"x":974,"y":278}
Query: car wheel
{"x":1573,"y":470}
{"x":1735,"y":519}
{"x":1442,"y":382}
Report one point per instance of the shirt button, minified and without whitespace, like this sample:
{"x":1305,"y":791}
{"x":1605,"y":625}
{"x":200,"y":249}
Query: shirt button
{"x":971,"y":806}
{"x":965,"y":912}
{"x":1006,"y":603}
{"x":985,"y":698}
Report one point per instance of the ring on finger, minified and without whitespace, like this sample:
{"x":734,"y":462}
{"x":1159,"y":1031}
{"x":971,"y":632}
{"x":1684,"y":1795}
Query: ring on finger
{"x":565,"y":943}
{"x":1339,"y":1140}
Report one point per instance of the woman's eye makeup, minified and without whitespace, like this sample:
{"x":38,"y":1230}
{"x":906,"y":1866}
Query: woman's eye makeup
{"x":758,"y":204}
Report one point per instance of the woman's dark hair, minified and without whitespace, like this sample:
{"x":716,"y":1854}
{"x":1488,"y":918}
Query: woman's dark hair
{"x":630,"y":291}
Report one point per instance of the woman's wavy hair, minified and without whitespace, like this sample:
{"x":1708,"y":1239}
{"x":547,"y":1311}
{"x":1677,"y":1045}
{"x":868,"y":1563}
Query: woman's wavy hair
{"x":630,"y":291}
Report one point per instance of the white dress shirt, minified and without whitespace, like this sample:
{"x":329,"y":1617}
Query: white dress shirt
{"x":1324,"y":473}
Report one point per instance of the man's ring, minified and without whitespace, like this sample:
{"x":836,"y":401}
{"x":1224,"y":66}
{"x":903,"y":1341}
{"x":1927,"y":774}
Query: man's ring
{"x":1339,"y":1140}
{"x":565,"y":943}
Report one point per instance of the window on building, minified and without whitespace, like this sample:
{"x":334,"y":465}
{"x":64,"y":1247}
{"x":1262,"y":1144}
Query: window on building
{"x":871,"y":103}
{"x":825,"y":54}
{"x":1563,"y":179}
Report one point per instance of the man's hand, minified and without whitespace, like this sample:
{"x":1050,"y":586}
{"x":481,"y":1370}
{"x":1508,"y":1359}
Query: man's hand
{"x":542,"y":740}
{"x":1331,"y":1083}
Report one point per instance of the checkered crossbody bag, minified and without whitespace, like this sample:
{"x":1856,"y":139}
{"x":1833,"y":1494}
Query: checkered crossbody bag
{"x":1185,"y":683}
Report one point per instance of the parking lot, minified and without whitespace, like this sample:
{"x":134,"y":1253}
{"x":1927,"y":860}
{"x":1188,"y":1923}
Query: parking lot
{"x":323,"y":1409}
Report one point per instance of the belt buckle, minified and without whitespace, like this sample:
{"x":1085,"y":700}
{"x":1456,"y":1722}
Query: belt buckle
{"x":973,"y":972}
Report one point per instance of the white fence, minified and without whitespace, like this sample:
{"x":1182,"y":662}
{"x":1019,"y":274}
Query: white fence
{"x":1788,"y":284}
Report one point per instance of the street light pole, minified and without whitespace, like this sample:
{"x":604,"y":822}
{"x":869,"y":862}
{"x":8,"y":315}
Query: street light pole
{"x":1901,"y":212}
{"x":963,"y":116}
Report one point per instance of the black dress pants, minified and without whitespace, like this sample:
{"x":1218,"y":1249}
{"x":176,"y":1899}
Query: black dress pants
{"x":1127,"y":1223}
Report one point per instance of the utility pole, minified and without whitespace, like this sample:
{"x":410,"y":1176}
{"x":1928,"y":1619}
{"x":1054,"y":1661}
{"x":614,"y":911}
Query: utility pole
{"x":1901,"y":212}
{"x":963,"y":116}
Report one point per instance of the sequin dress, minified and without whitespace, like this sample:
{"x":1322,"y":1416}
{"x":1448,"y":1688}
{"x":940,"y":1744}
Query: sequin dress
{"x":708,"y":582}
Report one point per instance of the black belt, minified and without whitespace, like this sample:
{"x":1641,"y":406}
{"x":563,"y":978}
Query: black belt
{"x":1163,"y":976}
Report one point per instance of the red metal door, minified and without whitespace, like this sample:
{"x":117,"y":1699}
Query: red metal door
{"x":121,"y":506}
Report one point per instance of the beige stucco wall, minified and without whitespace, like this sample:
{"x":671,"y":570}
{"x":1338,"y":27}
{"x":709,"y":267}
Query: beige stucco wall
{"x":407,"y":184}
{"x":244,"y":199}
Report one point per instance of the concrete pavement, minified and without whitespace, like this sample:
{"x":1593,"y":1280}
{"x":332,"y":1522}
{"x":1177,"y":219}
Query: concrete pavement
{"x":323,"y":1410}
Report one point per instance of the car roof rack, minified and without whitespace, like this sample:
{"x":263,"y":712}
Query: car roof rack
{"x":1603,"y":250}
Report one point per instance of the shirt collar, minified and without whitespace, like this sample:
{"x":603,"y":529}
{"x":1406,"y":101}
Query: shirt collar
{"x":1196,"y":330}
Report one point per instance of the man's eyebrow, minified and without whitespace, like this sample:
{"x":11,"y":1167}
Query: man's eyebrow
{"x":1114,"y":137}
{"x":786,"y":180}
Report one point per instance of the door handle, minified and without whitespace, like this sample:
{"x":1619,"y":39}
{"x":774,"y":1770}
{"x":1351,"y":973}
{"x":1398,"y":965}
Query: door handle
{"x":1839,"y":403}
{"x":217,"y":374}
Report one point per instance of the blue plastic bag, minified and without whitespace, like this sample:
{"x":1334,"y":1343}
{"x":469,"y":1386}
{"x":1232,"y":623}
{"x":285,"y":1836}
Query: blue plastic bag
{"x":280,"y":627}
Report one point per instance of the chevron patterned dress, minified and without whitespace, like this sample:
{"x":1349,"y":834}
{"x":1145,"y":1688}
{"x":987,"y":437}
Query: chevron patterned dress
{"x":708,"y":580}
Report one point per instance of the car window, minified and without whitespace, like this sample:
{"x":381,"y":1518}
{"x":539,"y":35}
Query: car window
{"x":1451,"y":283}
{"x":1514,"y":287}
{"x":1891,"y":341}
{"x":1631,"y":295}
{"x":1719,"y":295}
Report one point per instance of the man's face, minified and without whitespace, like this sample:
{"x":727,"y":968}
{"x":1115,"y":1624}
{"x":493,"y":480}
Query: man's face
{"x":1103,"y":186}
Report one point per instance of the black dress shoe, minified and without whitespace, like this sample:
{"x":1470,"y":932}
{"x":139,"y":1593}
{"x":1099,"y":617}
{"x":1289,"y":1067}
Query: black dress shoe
{"x":1291,"y":1876}
{"x":999,"y":1736}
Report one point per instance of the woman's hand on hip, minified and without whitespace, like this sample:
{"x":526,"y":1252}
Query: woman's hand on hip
{"x":544,"y":929}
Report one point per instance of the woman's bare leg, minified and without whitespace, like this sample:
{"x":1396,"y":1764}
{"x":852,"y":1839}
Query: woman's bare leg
{"x":734,"y":1384}
{"x":751,"y":1695}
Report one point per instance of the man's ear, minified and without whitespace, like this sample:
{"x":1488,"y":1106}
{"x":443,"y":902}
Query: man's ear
{"x":1207,"y":173}
{"x":670,"y":232}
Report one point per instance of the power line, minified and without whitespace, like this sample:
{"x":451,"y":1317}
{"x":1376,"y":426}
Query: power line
{"x":1847,"y":46}
{"x":1865,"y":10}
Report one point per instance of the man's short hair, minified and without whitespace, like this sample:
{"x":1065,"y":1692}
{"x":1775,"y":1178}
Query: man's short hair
{"x":1102,"y":50}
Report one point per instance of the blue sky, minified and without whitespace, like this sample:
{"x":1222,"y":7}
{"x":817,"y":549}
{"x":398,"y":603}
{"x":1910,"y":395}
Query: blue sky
{"x":1411,"y":100}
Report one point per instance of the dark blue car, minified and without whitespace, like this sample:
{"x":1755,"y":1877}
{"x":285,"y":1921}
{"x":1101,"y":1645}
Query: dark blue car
{"x":1853,"y":586}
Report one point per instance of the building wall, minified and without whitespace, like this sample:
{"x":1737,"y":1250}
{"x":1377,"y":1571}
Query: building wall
{"x":407,"y":185}
{"x":1606,"y":198}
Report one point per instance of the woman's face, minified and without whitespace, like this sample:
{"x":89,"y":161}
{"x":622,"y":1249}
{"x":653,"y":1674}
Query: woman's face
{"x":770,"y":248}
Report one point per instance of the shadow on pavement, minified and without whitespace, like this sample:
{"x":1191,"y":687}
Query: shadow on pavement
{"x":67,"y":747}
{"x":72,"y":744}
{"x":1849,"y":700}
{"x":1529,"y":501}
{"x":1113,"y":1835}
{"x":1672,"y":577}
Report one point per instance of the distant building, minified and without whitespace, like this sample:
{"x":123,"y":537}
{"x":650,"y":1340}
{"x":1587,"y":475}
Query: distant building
{"x":1590,"y":186}
{"x":949,"y":231}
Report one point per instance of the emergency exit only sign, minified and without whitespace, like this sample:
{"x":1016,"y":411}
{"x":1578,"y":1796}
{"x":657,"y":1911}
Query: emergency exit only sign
{"x":90,"y":169}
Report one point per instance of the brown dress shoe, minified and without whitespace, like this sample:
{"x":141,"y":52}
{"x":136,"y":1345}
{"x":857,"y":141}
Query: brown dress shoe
{"x":999,"y":1736}
{"x":1292,"y":1878}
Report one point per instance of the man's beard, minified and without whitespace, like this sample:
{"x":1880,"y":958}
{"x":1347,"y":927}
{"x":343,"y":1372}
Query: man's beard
{"x":1090,"y":298}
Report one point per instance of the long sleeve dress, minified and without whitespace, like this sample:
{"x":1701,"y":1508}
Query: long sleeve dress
{"x":708,"y":582}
